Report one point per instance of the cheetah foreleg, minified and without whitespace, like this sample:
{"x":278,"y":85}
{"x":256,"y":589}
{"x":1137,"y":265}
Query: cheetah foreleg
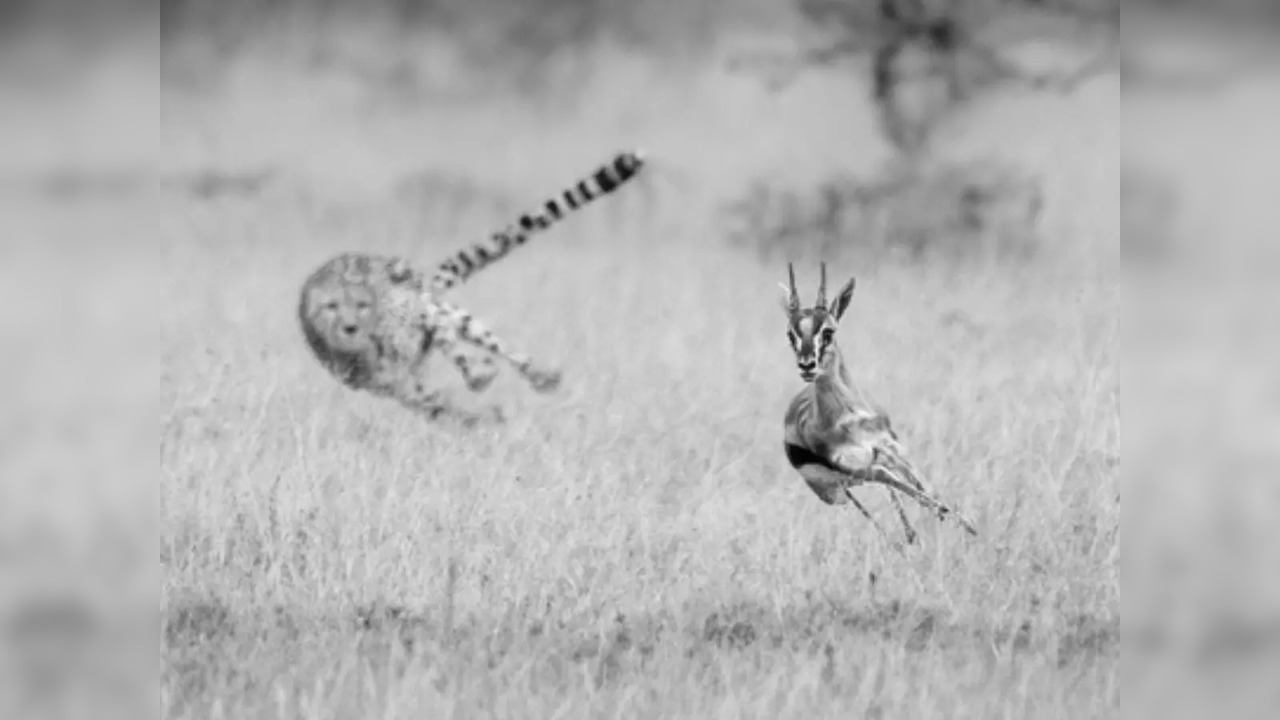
{"x":470,"y":330}
{"x":411,"y":391}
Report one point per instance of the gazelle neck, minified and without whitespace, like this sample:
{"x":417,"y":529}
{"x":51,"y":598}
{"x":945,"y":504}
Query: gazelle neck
{"x":833,"y":387}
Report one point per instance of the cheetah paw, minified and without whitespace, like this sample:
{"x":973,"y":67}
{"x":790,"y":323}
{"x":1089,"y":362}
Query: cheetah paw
{"x":544,"y":381}
{"x":480,"y":383}
{"x":493,"y":415}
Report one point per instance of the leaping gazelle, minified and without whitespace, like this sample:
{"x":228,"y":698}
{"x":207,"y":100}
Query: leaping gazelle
{"x":834,"y":438}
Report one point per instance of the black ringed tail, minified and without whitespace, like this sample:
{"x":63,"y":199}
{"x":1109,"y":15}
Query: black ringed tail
{"x":464,"y":263}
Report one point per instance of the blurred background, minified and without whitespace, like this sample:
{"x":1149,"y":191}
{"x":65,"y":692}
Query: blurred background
{"x":169,"y":173}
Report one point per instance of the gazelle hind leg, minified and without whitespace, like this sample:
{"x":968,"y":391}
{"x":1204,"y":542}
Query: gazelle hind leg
{"x":886,"y":477}
{"x":890,"y":455}
{"x":472,"y":331}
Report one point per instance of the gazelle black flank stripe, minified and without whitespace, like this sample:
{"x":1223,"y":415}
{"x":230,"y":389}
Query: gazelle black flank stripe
{"x":467,"y":261}
{"x":799,"y":456}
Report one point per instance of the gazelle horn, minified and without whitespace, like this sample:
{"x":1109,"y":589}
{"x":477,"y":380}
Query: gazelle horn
{"x":794,"y":300}
{"x":822,"y":285}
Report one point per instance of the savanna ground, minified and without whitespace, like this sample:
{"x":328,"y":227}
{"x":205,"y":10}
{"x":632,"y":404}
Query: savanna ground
{"x":634,"y":545}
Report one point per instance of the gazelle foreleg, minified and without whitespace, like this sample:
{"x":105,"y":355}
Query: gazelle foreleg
{"x":907,"y":527}
{"x":888,"y":455}
{"x":834,"y":487}
{"x":865,"y":513}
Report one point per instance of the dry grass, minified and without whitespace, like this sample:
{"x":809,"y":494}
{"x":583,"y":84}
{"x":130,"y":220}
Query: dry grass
{"x":636,"y":545}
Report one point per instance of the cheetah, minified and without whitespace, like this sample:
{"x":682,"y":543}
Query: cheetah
{"x":373,"y":320}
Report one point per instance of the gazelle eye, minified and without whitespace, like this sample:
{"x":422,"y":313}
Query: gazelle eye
{"x":827,"y":334}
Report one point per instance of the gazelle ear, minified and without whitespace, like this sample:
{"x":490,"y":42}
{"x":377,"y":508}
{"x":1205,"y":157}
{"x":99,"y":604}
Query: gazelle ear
{"x":842,"y":299}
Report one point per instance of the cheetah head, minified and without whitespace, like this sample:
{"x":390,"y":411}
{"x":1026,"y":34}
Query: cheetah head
{"x":340,"y":314}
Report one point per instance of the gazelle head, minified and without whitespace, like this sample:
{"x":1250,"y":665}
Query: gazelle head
{"x":812,"y":331}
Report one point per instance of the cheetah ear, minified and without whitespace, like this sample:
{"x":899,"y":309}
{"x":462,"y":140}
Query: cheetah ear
{"x":841,"y":302}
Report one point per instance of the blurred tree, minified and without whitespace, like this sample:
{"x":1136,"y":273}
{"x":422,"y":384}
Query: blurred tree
{"x":927,"y":58}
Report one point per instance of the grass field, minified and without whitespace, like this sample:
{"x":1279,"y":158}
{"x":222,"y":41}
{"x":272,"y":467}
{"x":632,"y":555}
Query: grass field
{"x":634,"y":546}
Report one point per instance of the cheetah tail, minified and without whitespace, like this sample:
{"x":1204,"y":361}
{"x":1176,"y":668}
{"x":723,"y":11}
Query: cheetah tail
{"x":464,"y":263}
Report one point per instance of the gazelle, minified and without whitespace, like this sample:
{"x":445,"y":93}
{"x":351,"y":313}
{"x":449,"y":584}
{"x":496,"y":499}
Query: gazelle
{"x":834,"y":438}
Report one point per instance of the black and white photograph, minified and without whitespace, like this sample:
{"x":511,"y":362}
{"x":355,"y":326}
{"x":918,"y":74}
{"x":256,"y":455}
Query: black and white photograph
{"x":639,"y":359}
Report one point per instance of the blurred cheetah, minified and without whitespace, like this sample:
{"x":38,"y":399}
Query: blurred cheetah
{"x":373,"y":320}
